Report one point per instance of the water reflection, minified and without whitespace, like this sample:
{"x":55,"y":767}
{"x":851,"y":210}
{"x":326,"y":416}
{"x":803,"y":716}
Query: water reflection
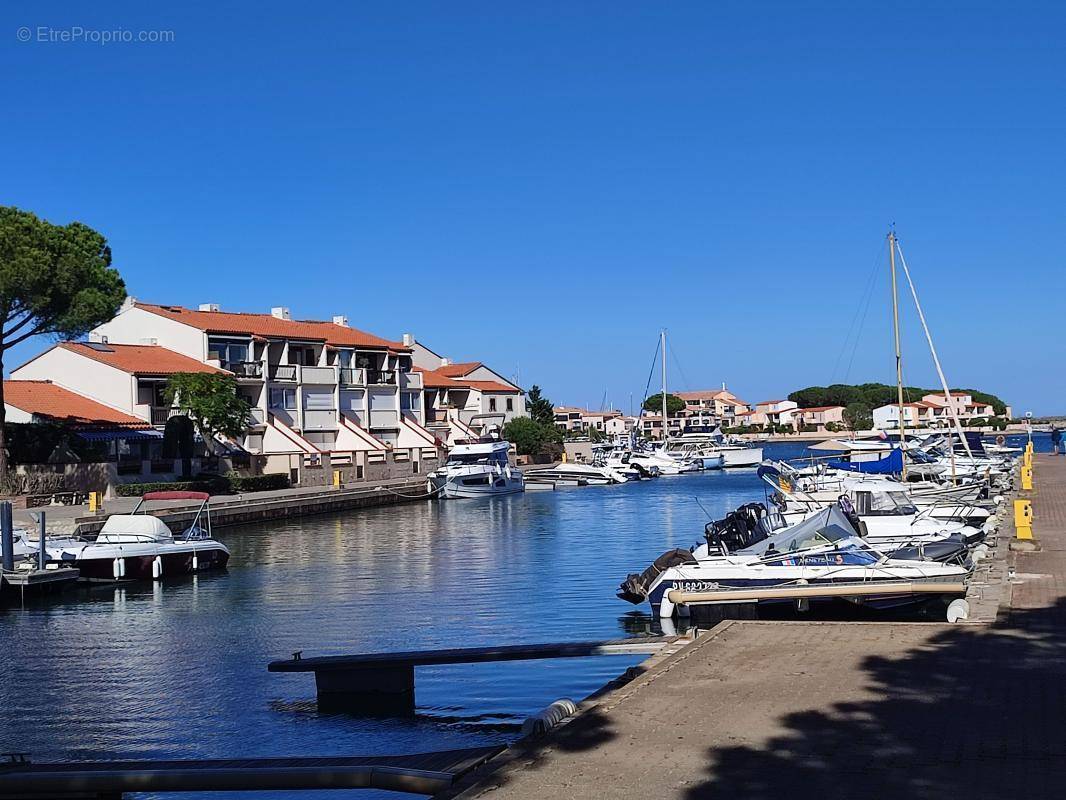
{"x":178,"y":669}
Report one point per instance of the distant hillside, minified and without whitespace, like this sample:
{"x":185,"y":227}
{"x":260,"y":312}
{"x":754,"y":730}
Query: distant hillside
{"x":874,"y":395}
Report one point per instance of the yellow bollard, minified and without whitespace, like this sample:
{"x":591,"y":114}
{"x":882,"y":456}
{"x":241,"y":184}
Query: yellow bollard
{"x":1023,"y":518}
{"x":1027,"y":478}
{"x":95,"y":502}
{"x":564,"y":456}
{"x":1027,"y":459}
{"x":336,"y":479}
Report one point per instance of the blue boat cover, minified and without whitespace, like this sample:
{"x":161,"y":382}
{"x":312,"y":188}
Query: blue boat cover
{"x":889,"y":465}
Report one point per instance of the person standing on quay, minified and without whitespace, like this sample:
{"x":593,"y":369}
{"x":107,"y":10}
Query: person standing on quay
{"x":1056,"y":439}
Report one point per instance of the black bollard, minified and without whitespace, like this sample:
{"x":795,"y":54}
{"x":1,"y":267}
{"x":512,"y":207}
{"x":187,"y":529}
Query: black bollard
{"x":42,"y":555}
{"x":7,"y":536}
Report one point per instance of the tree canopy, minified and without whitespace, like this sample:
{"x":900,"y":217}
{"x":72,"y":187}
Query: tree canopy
{"x":530,"y":437}
{"x":54,"y":280}
{"x":540,"y":408}
{"x":654,"y":404}
{"x":858,"y":417}
{"x":874,"y":395}
{"x":211,"y":401}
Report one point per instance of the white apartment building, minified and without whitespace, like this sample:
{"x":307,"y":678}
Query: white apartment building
{"x":712,"y":407}
{"x":771,"y":412}
{"x":463,"y":400}
{"x":932,"y":410}
{"x":315,"y":387}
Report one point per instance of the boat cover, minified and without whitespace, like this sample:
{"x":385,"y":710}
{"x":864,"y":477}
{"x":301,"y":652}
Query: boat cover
{"x":891,"y":464}
{"x":135,"y":526}
{"x":831,"y":521}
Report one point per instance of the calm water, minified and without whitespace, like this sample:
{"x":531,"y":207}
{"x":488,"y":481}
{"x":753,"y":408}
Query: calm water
{"x":179,"y":669}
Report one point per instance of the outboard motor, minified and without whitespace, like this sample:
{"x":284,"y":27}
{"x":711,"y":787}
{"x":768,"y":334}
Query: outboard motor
{"x":741,"y":528}
{"x":634,"y":588}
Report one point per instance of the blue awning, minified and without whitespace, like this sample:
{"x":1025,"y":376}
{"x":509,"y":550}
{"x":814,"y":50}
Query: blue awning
{"x":115,"y":435}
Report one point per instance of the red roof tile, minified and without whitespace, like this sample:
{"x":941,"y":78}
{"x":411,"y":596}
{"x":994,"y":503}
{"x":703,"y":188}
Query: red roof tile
{"x":459,"y":370}
{"x":492,"y":387}
{"x":820,"y":408}
{"x":138,"y":359}
{"x":436,"y":379}
{"x":45,"y":399}
{"x":269,"y":326}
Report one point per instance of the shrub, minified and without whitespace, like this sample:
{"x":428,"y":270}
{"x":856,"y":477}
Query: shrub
{"x":258,"y":483}
{"x":832,"y":427}
{"x":211,"y":486}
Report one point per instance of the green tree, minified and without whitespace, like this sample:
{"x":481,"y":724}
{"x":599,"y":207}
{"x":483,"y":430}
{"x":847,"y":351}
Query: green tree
{"x":539,"y":407}
{"x":211,"y":401}
{"x":531,"y":438}
{"x":179,"y":441}
{"x":857,"y":417}
{"x":54,"y":280}
{"x":654,"y":404}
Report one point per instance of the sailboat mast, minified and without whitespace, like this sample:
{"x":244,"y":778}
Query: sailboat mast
{"x":662,"y":343}
{"x":899,"y":354}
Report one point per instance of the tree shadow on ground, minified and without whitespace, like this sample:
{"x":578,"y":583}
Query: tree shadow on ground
{"x":973,"y":712}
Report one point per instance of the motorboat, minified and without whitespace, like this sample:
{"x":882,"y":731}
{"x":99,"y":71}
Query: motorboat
{"x":140,"y":546}
{"x":733,"y":453}
{"x":664,"y":463}
{"x":822,"y":558}
{"x":581,"y":474}
{"x":702,"y":453}
{"x":477,"y":469}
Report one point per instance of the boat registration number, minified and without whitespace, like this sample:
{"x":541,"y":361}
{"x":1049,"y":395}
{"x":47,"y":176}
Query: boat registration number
{"x":696,"y":586}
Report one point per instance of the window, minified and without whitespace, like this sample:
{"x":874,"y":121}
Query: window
{"x":284,"y":399}
{"x":510,"y":404}
{"x":344,"y":359}
{"x":227,"y":352}
{"x":408,"y":401}
{"x":318,"y":400}
{"x":492,"y":404}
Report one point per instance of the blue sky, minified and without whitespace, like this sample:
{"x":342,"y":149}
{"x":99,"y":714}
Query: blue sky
{"x":544,"y":186}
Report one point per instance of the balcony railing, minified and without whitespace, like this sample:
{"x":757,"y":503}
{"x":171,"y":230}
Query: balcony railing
{"x":349,"y":376}
{"x":245,"y":369}
{"x":257,"y":417}
{"x":160,"y":414}
{"x":410,"y":380}
{"x":437,"y":416}
{"x":384,"y":419}
{"x":283,"y":372}
{"x":317,"y":420}
{"x":379,"y":377}
{"x":318,"y":375}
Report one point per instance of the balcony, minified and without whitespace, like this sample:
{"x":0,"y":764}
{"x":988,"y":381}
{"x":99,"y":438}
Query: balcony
{"x":379,"y":377}
{"x":160,"y":414}
{"x":437,"y":416}
{"x":411,"y":380}
{"x":319,"y":375}
{"x":320,"y":420}
{"x":283,"y":372}
{"x":256,"y":418}
{"x":349,"y":376}
{"x":245,"y":370}
{"x":384,"y":419}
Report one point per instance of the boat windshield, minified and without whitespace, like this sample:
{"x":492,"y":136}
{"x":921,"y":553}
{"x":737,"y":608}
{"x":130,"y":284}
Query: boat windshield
{"x":888,"y":504}
{"x":477,"y":458}
{"x":829,"y":534}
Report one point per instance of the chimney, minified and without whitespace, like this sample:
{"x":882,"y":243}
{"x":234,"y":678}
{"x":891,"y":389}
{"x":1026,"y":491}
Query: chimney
{"x":444,"y":362}
{"x":129,"y":302}
{"x":210,"y":307}
{"x":340,"y":319}
{"x":408,"y":339}
{"x":280,"y":312}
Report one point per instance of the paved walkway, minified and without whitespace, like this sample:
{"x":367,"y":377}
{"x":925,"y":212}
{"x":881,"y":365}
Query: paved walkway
{"x":761,"y":710}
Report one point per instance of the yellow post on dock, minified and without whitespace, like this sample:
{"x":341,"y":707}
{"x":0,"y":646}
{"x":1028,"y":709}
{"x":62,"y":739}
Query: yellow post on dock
{"x":1023,"y":518}
{"x":1027,"y":478}
{"x":336,"y":479}
{"x":96,"y":502}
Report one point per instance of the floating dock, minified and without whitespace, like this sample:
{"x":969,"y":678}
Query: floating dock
{"x":23,"y":583}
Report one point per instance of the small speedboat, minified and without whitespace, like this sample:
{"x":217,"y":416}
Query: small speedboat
{"x":477,"y":469}
{"x":140,"y":546}
{"x":594,"y":474}
{"x":822,"y":558}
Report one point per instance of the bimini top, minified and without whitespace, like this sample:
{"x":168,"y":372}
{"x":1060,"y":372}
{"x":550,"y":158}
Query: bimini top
{"x":176,"y":496}
{"x":480,"y":448}
{"x":130,"y":528}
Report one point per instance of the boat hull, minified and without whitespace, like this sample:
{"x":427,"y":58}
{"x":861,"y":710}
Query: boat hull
{"x":142,"y":566}
{"x":744,"y":457}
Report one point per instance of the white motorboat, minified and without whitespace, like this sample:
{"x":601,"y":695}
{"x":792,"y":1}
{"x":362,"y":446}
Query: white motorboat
{"x":139,"y":546}
{"x":702,"y":453}
{"x":594,"y":474}
{"x":820,"y":559}
{"x":732,"y":454}
{"x":477,"y":469}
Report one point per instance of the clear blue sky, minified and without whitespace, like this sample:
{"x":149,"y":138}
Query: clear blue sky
{"x":548,"y":184}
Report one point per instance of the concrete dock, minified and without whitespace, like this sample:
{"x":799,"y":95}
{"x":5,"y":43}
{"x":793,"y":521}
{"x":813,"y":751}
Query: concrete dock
{"x":762,"y":710}
{"x":238,"y":509}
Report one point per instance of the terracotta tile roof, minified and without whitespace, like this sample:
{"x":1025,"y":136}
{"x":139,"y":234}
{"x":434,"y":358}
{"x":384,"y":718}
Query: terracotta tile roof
{"x":770,"y":402}
{"x":139,"y":359}
{"x":436,"y":379}
{"x":605,"y":414}
{"x":459,"y":370}
{"x":709,"y":394}
{"x":45,"y":399}
{"x":269,"y":326}
{"x":820,"y":408}
{"x":493,"y":387}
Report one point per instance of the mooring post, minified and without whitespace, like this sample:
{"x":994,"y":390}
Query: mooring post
{"x":42,"y":554}
{"x":7,"y":536}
